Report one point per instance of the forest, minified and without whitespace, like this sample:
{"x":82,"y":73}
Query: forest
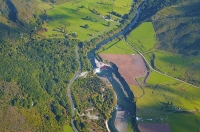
{"x":92,"y":95}
{"x":42,"y":70}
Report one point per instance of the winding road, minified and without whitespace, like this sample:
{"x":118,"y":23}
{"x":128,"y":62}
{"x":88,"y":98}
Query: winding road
{"x":156,"y":70}
{"x":69,"y":91}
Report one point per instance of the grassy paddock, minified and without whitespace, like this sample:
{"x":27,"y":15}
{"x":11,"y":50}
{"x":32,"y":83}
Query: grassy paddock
{"x":68,"y":128}
{"x":182,"y":122}
{"x":164,"y":96}
{"x":72,"y":17}
{"x":143,"y":38}
{"x":137,"y":91}
{"x":116,"y":47}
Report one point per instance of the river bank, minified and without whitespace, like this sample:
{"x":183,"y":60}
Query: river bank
{"x":123,"y":101}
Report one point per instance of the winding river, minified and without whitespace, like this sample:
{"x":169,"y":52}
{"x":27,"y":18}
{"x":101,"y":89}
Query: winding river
{"x":123,"y":100}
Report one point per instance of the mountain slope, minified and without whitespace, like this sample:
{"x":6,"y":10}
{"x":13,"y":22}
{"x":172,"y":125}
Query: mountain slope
{"x":178,"y":28}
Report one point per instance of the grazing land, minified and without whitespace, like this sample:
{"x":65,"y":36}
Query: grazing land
{"x":84,"y":19}
{"x":169,"y":101}
{"x":162,"y":99}
{"x":184,"y":67}
{"x":166,"y":100}
{"x":116,"y":47}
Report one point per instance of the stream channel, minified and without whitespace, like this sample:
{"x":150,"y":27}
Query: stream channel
{"x":125,"y":101}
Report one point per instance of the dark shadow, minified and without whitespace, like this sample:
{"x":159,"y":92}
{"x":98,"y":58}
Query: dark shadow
{"x":104,"y":24}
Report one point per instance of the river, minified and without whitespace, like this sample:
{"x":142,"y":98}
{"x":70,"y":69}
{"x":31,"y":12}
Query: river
{"x":125,"y":102}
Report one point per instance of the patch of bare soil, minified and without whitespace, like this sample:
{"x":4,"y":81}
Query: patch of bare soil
{"x":153,"y":127}
{"x":129,"y":66}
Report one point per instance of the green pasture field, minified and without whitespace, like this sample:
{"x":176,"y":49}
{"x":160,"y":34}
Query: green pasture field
{"x":183,"y":67}
{"x":174,"y":64}
{"x":122,"y":6}
{"x":143,"y":37}
{"x":71,"y":15}
{"x":116,"y":47}
{"x":183,"y":122}
{"x":68,"y":128}
{"x":137,"y":91}
{"x":164,"y":95}
{"x":165,"y":98}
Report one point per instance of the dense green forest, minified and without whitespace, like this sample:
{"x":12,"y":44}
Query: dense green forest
{"x":92,"y":95}
{"x":42,"y":70}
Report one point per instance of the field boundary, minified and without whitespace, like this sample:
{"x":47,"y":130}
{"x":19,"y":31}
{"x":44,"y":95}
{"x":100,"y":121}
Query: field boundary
{"x":156,"y":70}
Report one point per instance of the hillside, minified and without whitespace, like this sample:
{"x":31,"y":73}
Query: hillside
{"x":177,"y":28}
{"x":177,"y":31}
{"x":44,"y":46}
{"x":35,"y":70}
{"x":36,"y":79}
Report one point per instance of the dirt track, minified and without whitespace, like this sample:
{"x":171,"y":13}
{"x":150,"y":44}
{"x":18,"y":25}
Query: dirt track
{"x":129,"y":66}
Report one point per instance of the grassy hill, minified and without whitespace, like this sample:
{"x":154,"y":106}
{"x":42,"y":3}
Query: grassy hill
{"x":174,"y":64}
{"x":177,"y":28}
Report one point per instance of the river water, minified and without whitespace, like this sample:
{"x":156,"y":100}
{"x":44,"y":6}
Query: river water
{"x":124,"y":101}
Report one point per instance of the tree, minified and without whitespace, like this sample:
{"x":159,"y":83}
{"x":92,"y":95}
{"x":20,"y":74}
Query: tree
{"x":86,"y":26}
{"x":108,"y":24}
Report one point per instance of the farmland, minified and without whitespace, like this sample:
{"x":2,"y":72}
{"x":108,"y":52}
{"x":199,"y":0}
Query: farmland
{"x":164,"y":99}
{"x":83,"y":19}
{"x":116,"y":47}
{"x":169,"y":101}
{"x":180,"y":66}
{"x":45,"y":44}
